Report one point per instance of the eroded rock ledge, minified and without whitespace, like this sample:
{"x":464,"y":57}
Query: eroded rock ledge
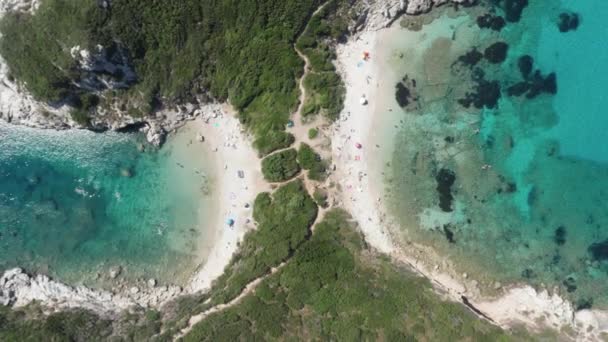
{"x":18,"y":289}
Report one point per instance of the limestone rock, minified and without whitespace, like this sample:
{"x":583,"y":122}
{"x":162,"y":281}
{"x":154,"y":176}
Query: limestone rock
{"x":115,"y":272}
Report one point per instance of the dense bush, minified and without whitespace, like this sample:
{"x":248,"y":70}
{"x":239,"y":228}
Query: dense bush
{"x":273,"y":141}
{"x":311,"y":161}
{"x":240,"y":51}
{"x":334,"y":289}
{"x":284,"y":220}
{"x":281,"y":166}
{"x":324,"y":87}
{"x":37,"y":48}
{"x":31,"y":324}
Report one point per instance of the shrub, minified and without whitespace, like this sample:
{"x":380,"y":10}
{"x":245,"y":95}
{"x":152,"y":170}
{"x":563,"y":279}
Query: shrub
{"x":80,"y":116}
{"x":281,"y":166}
{"x":320,"y":197}
{"x":310,"y":160}
{"x":313,"y":133}
{"x":273,"y":141}
{"x":307,"y":157}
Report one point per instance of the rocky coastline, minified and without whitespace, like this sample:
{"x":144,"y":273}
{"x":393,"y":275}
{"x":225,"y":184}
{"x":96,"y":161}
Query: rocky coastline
{"x":17,"y":106}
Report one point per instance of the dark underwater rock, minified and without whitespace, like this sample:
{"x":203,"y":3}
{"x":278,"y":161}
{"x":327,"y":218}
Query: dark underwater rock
{"x":518,"y":89}
{"x":525,"y":64}
{"x":560,"y":236}
{"x":599,"y":250}
{"x":471,"y":58}
{"x":584,"y":304}
{"x":449,"y":234}
{"x":528,"y":273}
{"x":550,"y":84}
{"x":486,"y":94}
{"x":403,"y":95}
{"x":535,"y":85}
{"x":570,"y":284}
{"x":540,"y":84}
{"x":497,"y":52}
{"x":489,"y":21}
{"x":445,"y":179}
{"x":568,"y":22}
{"x":513,"y":9}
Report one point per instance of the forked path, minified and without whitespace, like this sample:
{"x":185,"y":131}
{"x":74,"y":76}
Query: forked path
{"x":300,"y":132}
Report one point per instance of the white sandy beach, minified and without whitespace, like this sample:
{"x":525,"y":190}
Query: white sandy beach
{"x":225,"y":140}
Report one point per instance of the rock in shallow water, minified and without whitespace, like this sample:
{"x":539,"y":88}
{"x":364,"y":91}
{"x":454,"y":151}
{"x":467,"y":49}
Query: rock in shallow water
{"x":568,"y":22}
{"x":497,"y":52}
{"x":495,"y":23}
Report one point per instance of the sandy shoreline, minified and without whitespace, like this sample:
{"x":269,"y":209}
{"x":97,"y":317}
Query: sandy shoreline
{"x":359,"y":173}
{"x":230,"y":150}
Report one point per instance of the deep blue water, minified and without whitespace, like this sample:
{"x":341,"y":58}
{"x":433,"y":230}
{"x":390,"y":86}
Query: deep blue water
{"x":76,"y":203}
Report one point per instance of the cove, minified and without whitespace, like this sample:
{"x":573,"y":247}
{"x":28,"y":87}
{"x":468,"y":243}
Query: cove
{"x":522,"y":134}
{"x":74,"y":204}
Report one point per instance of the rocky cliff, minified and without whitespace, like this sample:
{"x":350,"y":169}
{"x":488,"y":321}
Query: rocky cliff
{"x":18,"y":107}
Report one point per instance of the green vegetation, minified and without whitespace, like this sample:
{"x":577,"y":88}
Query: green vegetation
{"x":34,"y":54}
{"x":273,"y":141}
{"x":30,"y":324}
{"x":324,"y":87}
{"x":240,"y":51}
{"x":313,"y":133}
{"x":284,"y":221}
{"x":311,"y":161}
{"x":332,"y":288}
{"x":281,"y":166}
{"x":335,"y":289}
{"x":320,"y":197}
{"x":80,"y":116}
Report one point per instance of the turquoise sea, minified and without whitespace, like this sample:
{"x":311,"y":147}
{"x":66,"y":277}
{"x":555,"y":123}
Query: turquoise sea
{"x":501,"y":158}
{"x":74,"y":204}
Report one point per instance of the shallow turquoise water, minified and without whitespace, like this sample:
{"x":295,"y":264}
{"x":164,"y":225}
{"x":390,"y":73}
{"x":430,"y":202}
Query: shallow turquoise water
{"x":536,"y":212}
{"x":76,"y":203}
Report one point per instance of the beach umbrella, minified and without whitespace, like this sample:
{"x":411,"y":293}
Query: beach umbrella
{"x":230,"y":222}
{"x":359,"y":146}
{"x":290,"y":124}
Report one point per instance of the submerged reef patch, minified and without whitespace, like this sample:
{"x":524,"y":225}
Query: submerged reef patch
{"x":599,"y":250}
{"x":445,"y":179}
{"x":486,"y":94}
{"x":568,"y":22}
{"x":405,"y":93}
{"x":496,"y":53}
{"x":490,"y":21}
{"x":525,"y":64}
{"x":560,"y":236}
{"x":471,"y":58}
{"x":513,"y":9}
